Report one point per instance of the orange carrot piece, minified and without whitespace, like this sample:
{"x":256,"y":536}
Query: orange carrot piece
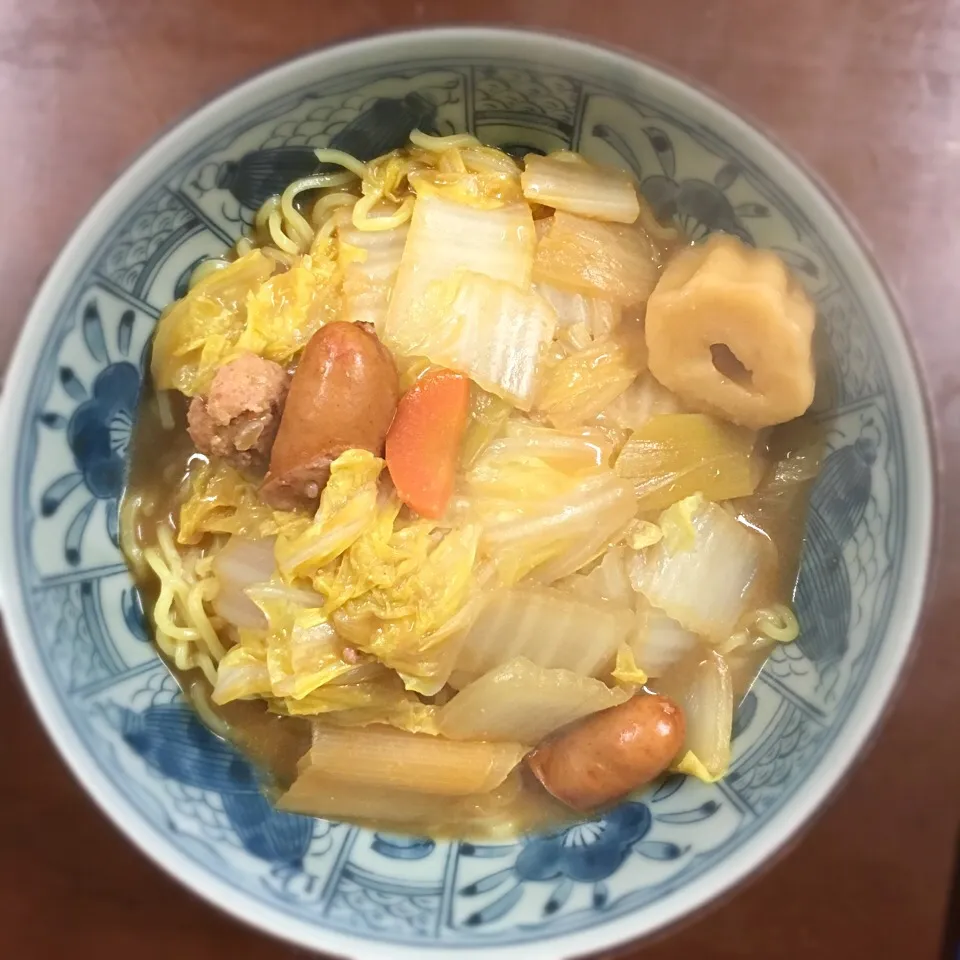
{"x":423,"y":444}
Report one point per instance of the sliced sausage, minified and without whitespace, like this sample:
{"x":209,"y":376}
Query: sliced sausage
{"x":611,"y":753}
{"x":343,"y":396}
{"x":238,"y":419}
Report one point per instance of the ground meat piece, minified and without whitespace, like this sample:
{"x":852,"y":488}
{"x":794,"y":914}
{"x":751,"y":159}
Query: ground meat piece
{"x":238,"y":419}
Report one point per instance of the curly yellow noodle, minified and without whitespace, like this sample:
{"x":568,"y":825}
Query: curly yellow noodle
{"x":321,"y":181}
{"x":280,"y":239}
{"x":243,"y":246}
{"x":778,"y":622}
{"x":200,"y":699}
{"x":199,"y":593}
{"x":341,"y":159}
{"x":130,"y":509}
{"x":427,"y":141}
{"x":183,"y":628}
{"x":186,"y":656}
{"x":205,"y":268}
{"x":363,"y":221}
{"x":296,"y":226}
{"x":327,"y":205}
{"x":169,"y":549}
{"x":170,"y":559}
{"x":323,"y":237}
{"x":267,"y":208}
{"x":164,"y":607}
{"x":197,"y":659}
{"x":291,"y":232}
{"x":282,"y":258}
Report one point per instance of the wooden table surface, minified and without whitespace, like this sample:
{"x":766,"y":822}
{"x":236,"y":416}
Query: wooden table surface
{"x":866,"y":91}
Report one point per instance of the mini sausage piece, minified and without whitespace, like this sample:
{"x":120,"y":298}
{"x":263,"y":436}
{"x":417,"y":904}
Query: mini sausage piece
{"x":611,"y":753}
{"x":343,"y":396}
{"x":238,"y":418}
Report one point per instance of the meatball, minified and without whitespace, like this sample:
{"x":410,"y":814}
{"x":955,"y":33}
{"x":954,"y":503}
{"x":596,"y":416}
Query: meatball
{"x":238,"y":419}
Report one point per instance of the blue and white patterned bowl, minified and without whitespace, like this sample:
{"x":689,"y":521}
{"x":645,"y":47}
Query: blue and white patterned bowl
{"x":188,"y":800}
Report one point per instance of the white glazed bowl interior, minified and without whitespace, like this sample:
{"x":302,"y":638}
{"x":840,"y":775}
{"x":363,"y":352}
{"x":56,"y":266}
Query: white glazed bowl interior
{"x":77,"y":631}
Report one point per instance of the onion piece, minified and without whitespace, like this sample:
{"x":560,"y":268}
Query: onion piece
{"x":580,"y":187}
{"x":393,"y":759}
{"x":522,"y":702}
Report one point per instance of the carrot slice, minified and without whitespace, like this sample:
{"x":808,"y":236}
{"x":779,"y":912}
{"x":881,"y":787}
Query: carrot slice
{"x":423,"y":444}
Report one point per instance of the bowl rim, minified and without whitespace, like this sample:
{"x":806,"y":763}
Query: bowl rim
{"x":796,"y":812}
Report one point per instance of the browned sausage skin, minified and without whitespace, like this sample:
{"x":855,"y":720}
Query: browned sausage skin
{"x":343,"y":396}
{"x":611,"y":753}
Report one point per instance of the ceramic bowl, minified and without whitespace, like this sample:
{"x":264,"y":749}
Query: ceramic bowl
{"x":77,"y":629}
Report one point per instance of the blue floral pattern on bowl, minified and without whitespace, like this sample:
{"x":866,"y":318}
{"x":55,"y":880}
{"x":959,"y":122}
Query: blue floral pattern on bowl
{"x":98,"y":431}
{"x":188,"y":797}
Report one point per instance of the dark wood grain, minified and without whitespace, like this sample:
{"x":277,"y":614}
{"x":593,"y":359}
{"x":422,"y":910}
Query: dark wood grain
{"x":867,"y":92}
